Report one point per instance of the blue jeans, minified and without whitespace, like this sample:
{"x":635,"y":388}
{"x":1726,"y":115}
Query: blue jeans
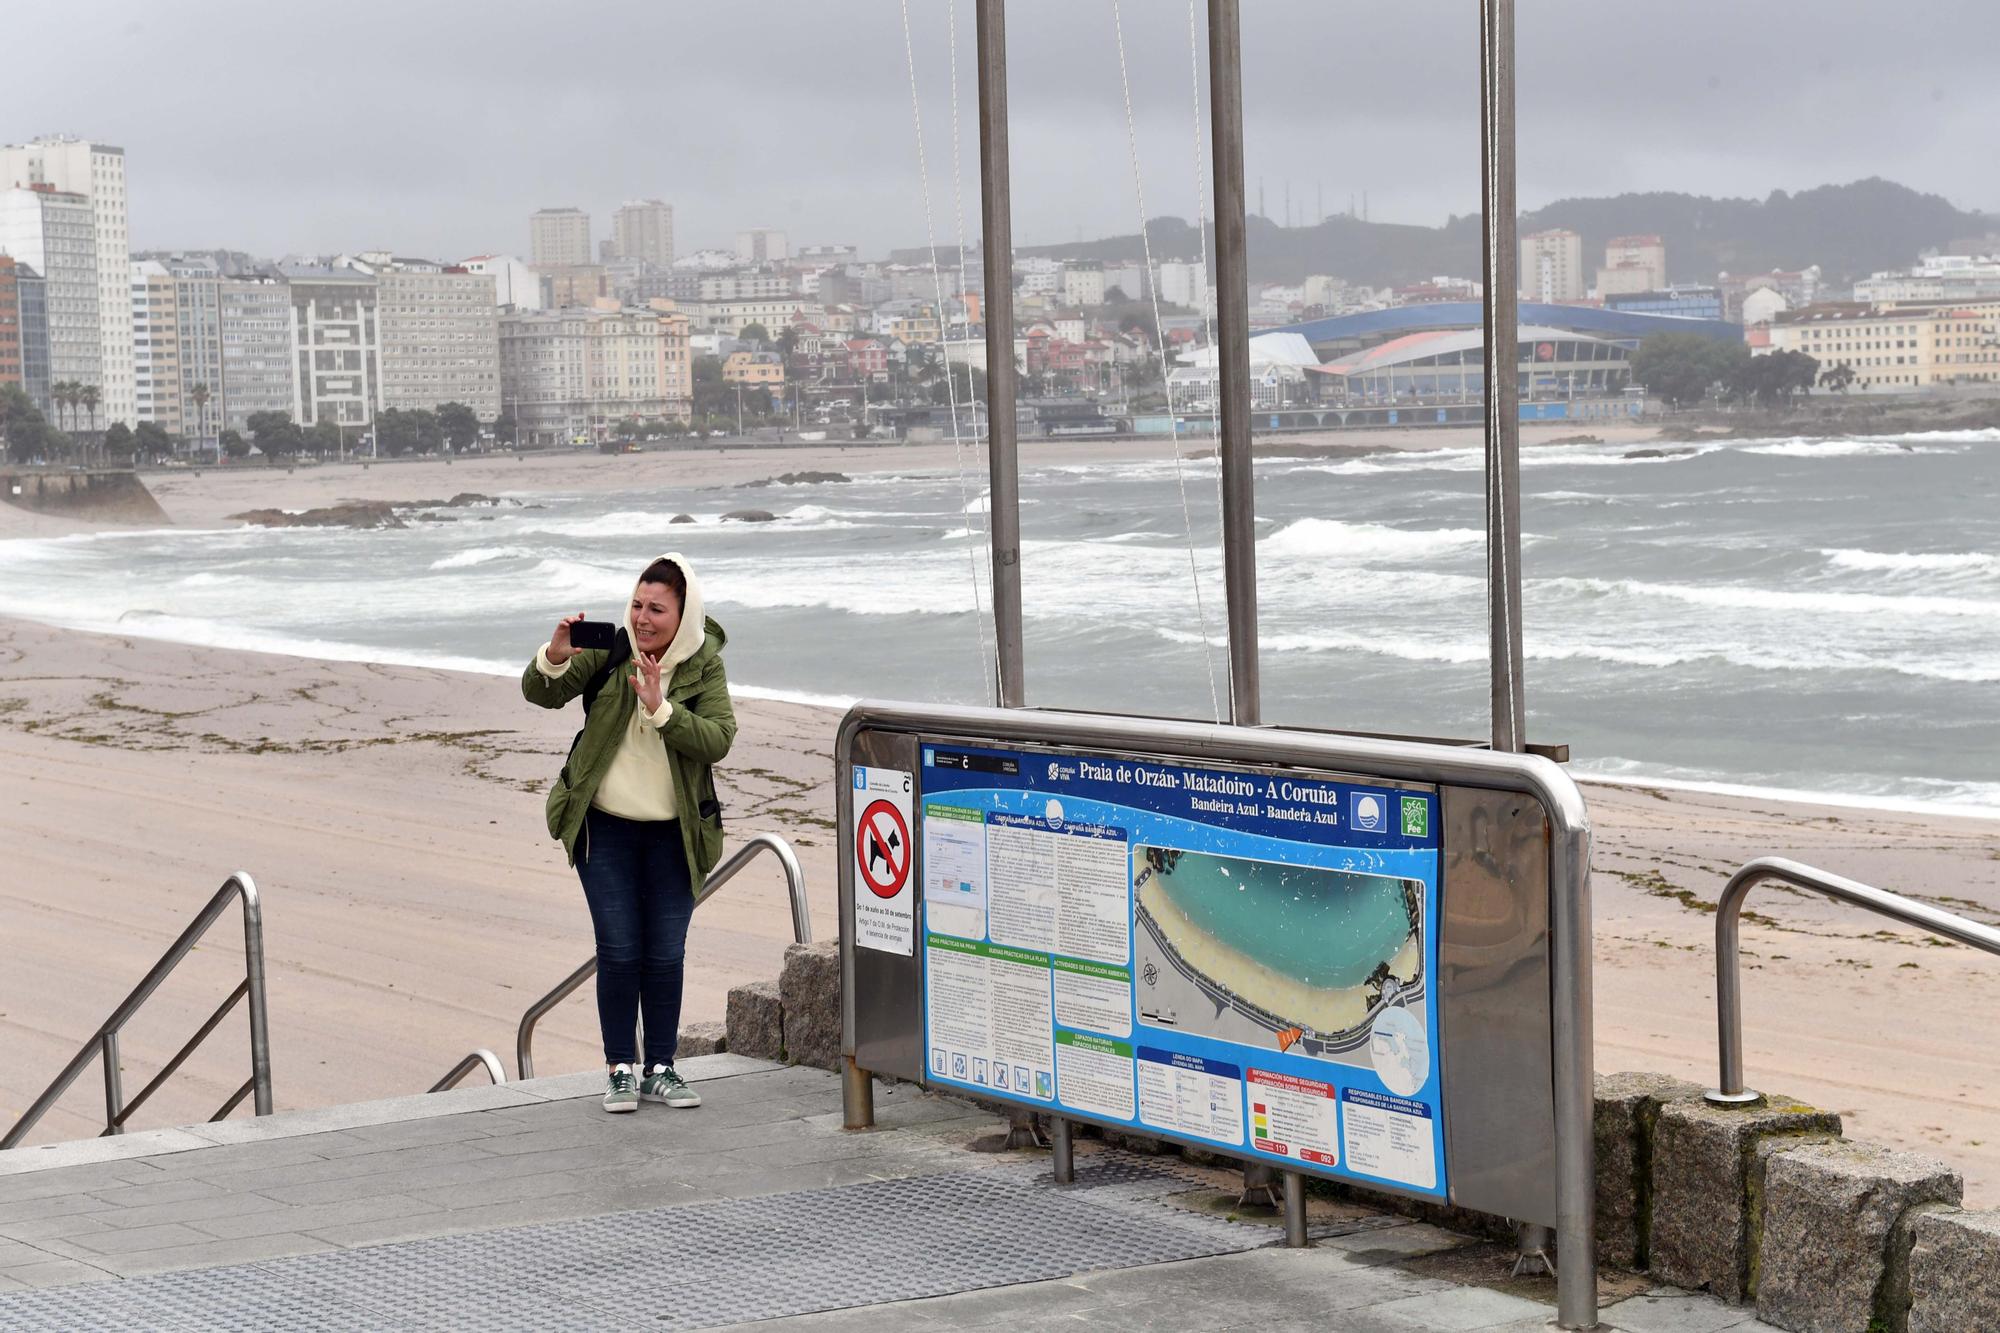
{"x":635,"y":877}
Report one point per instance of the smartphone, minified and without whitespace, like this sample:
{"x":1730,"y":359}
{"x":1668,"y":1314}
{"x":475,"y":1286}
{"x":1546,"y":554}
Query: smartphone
{"x":593,"y":634}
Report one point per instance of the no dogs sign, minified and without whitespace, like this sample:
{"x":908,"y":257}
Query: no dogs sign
{"x":885,"y":906}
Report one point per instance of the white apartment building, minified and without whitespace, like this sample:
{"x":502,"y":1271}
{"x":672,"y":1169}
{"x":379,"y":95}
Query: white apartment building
{"x":1181,"y":283}
{"x":761,"y":245}
{"x":440,"y":338}
{"x":1937,"y":278}
{"x":1897,"y":350}
{"x":258,"y":374}
{"x":569,"y":376}
{"x":1036,"y":276}
{"x":336,"y":345}
{"x":559,"y":238}
{"x":745,"y":285}
{"x":1552,"y":266}
{"x":1633,"y":264}
{"x":1083,"y":283}
{"x":644,"y":229}
{"x":95,"y":171}
{"x":53,"y":232}
{"x":156,"y":359}
{"x":514,"y":283}
{"x":732,"y":317}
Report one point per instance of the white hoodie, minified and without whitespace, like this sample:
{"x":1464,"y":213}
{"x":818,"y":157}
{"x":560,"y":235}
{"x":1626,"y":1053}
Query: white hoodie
{"x":638,"y":785}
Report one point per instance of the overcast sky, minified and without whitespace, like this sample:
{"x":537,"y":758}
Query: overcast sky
{"x":436,"y":126}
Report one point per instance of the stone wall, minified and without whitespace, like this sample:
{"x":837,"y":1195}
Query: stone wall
{"x":1764,"y":1204}
{"x":116,"y":497}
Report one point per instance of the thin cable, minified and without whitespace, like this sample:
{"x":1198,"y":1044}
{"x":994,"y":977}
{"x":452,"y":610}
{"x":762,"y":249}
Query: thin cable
{"x":1160,"y":340}
{"x":1201,"y":226}
{"x":985,"y":541}
{"x":951,"y":387}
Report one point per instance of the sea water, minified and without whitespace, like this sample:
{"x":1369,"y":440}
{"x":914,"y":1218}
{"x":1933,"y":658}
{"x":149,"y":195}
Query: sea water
{"x":1809,"y":616}
{"x":1323,"y":928}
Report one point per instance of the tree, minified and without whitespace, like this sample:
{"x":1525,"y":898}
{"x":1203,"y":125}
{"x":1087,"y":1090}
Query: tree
{"x":26,"y":433}
{"x":429,"y":434}
{"x":233,"y":445}
{"x":1775,"y":379}
{"x":505,"y":427}
{"x":88,"y":395}
{"x":119,"y":442}
{"x":275,"y":434}
{"x":324,"y":438}
{"x":460,"y":425}
{"x":1116,"y":296}
{"x":628,"y":428}
{"x":151,"y":441}
{"x":1838,"y":378}
{"x":200,"y":394}
{"x":1682,"y":368}
{"x":755,"y":333}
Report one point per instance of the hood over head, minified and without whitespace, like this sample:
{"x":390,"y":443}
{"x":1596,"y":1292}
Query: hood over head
{"x":688,"y":639}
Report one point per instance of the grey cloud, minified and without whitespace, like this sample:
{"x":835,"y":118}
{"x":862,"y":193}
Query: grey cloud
{"x":438,"y":125}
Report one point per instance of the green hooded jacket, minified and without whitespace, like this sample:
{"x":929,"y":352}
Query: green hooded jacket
{"x":697,"y":735}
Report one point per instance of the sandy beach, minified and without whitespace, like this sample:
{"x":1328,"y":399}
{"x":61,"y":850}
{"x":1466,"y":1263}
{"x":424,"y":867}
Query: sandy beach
{"x":392,"y":817}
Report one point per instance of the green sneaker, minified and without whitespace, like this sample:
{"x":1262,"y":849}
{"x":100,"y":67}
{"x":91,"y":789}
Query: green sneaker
{"x":623,"y":1094}
{"x":664,"y":1085}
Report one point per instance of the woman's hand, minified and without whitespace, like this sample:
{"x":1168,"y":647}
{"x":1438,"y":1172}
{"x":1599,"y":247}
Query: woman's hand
{"x":646,"y":681}
{"x":559,"y":647}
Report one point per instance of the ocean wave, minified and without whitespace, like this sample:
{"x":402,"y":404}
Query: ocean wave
{"x":1911,"y":562}
{"x":1738,"y":597}
{"x":1461,"y":652}
{"x":1804,"y":447}
{"x":481,"y":555}
{"x":1928,"y":796}
{"x":1331,"y":538}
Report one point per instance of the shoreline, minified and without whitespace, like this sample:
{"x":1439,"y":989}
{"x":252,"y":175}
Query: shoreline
{"x":417,"y":661}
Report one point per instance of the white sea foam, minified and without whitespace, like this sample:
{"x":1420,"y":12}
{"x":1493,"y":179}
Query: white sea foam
{"x":481,"y":555}
{"x":1736,"y":596}
{"x":1912,"y":562}
{"x":1327,"y":538}
{"x":1977,"y":800}
{"x":1802,"y":447}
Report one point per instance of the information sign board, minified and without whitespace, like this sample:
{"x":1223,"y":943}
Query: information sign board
{"x":1232,"y":956}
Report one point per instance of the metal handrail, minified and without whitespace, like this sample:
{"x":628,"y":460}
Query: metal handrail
{"x":482,"y":1056}
{"x":795,"y":883}
{"x":1728,"y":991}
{"x":104,"y":1042}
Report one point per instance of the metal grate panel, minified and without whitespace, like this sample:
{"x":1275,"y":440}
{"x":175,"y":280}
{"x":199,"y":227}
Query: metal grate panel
{"x":695,"y":1266}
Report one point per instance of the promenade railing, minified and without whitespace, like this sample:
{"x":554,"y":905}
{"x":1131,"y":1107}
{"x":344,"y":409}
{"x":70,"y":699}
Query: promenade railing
{"x":1773,"y":869}
{"x":103,"y":1044}
{"x":755,"y":846}
{"x":494,"y":1070}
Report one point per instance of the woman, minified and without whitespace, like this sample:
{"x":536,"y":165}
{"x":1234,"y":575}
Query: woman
{"x":635,"y":808}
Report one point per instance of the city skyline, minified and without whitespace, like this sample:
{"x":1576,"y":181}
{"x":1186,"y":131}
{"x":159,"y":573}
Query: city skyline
{"x":461,"y":151}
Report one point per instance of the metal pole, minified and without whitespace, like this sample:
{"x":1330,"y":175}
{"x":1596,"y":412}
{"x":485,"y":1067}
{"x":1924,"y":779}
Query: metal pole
{"x":1728,"y":910}
{"x":114,"y":1090}
{"x":253,"y":974}
{"x":1501,"y":319}
{"x":1232,"y":323}
{"x":1572,"y":1061}
{"x":1295,"y":1211}
{"x":857,"y":1096}
{"x":1064,"y":1150}
{"x":997,"y":242}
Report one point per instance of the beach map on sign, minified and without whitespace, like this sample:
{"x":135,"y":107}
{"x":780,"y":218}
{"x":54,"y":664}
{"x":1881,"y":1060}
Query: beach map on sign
{"x":1233,"y":957}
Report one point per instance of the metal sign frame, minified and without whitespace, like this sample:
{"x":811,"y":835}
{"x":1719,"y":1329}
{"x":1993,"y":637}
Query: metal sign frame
{"x":1514,"y":978}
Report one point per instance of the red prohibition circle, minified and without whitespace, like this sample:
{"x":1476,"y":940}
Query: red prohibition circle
{"x":871,"y":850}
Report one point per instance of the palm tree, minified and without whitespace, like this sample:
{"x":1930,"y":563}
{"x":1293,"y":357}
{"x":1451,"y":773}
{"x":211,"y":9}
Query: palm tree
{"x":200,"y":395}
{"x":61,"y":393}
{"x":88,"y":395}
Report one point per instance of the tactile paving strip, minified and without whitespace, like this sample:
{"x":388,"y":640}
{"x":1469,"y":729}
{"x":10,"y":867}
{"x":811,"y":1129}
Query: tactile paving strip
{"x":694,"y":1266}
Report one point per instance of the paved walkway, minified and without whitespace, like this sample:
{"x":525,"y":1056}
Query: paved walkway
{"x":524,"y":1206}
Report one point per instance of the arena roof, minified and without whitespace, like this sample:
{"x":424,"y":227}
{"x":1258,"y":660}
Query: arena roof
{"x":1616,"y":325}
{"x":1439,"y":342}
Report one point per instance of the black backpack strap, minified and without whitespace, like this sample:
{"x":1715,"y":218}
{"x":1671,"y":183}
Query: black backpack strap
{"x":621,"y":653}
